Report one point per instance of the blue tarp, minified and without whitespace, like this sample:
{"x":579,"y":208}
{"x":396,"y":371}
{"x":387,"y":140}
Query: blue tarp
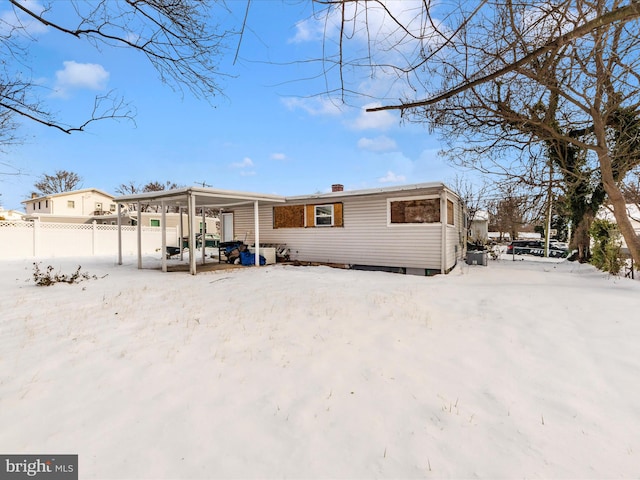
{"x":248,"y":258}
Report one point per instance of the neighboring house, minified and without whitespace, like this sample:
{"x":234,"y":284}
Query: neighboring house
{"x":90,"y":204}
{"x":417,"y":229}
{"x":633,"y":211}
{"x":479,"y":228}
{"x":77,"y":203}
{"x":11,"y":215}
{"x":529,"y":236}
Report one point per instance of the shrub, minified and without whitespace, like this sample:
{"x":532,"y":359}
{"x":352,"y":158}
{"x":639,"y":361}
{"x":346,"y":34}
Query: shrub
{"x":46,"y":278}
{"x":605,"y":253}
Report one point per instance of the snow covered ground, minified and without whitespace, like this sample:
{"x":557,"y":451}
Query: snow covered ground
{"x":521,"y":369}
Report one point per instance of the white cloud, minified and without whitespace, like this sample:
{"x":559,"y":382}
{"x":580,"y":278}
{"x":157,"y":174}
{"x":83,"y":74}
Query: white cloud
{"x":307,"y":31}
{"x":313,"y":106}
{"x":278,"y":156}
{"x":15,"y":20}
{"x":248,"y":173}
{"x":90,"y":76}
{"x":245,"y":163}
{"x":377,"y":144}
{"x":391,"y":177}
{"x":382,"y":120}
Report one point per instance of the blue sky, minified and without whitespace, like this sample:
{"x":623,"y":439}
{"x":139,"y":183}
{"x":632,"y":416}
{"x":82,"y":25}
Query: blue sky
{"x":273,"y":131}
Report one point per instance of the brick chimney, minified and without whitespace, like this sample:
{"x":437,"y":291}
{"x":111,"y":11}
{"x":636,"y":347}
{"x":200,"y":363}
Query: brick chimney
{"x":34,"y":195}
{"x":337,"y":187}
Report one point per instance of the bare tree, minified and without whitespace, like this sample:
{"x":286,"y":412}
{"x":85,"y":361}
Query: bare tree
{"x":130,"y":188}
{"x":177,"y":38}
{"x":60,"y":181}
{"x":515,"y":76}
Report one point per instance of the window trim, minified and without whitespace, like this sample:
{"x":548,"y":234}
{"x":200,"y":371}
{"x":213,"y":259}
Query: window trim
{"x":332,"y":216}
{"x":408,"y":199}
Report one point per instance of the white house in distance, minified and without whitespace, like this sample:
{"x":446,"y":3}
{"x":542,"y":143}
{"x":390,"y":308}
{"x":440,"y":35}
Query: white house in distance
{"x":633,"y":211}
{"x":88,"y":202}
{"x":479,"y":228}
{"x":91,"y":204}
{"x":11,"y":215}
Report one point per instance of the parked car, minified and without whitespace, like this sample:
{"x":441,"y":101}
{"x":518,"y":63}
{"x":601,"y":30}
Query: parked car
{"x":535,"y":247}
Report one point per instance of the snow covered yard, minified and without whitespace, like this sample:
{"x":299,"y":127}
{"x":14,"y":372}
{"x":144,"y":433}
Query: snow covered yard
{"x":515,"y":370}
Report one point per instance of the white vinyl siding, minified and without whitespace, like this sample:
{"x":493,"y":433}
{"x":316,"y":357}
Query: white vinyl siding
{"x":365,"y":239}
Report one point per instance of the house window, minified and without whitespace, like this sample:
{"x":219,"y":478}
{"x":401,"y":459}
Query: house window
{"x":46,"y":204}
{"x":300,"y":216}
{"x":39,"y":206}
{"x":112,"y":207}
{"x":71,"y":204}
{"x":422,"y":210}
{"x":323,"y":215}
{"x":154,"y":222}
{"x":450,"y":215}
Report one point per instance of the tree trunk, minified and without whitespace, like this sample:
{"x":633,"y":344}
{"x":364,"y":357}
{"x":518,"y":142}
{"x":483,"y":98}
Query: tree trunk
{"x":619,"y":207}
{"x":581,"y":239}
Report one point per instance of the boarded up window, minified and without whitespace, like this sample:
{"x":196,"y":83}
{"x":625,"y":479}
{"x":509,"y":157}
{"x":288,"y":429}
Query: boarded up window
{"x":450,"y":214}
{"x":337,"y":211}
{"x":289,"y":216}
{"x":424,"y":210}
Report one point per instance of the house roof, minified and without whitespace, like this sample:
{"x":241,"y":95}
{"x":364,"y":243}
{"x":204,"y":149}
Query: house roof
{"x":62,"y":194}
{"x":217,"y":198}
{"x":371,"y":191}
{"x":481,"y":216}
{"x":204,"y":197}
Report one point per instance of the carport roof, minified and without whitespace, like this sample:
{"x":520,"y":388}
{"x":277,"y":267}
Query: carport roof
{"x":204,"y":197}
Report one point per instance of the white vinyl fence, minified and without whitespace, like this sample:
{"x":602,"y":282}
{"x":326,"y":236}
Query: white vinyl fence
{"x":38,"y":239}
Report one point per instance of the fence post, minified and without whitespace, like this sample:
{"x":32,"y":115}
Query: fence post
{"x":36,"y":233}
{"x":93,"y":238}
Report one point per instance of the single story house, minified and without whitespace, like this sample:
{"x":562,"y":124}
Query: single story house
{"x":417,"y":229}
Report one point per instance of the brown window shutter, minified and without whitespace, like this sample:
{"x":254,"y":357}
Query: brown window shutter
{"x":311,"y":216}
{"x":337,"y":215}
